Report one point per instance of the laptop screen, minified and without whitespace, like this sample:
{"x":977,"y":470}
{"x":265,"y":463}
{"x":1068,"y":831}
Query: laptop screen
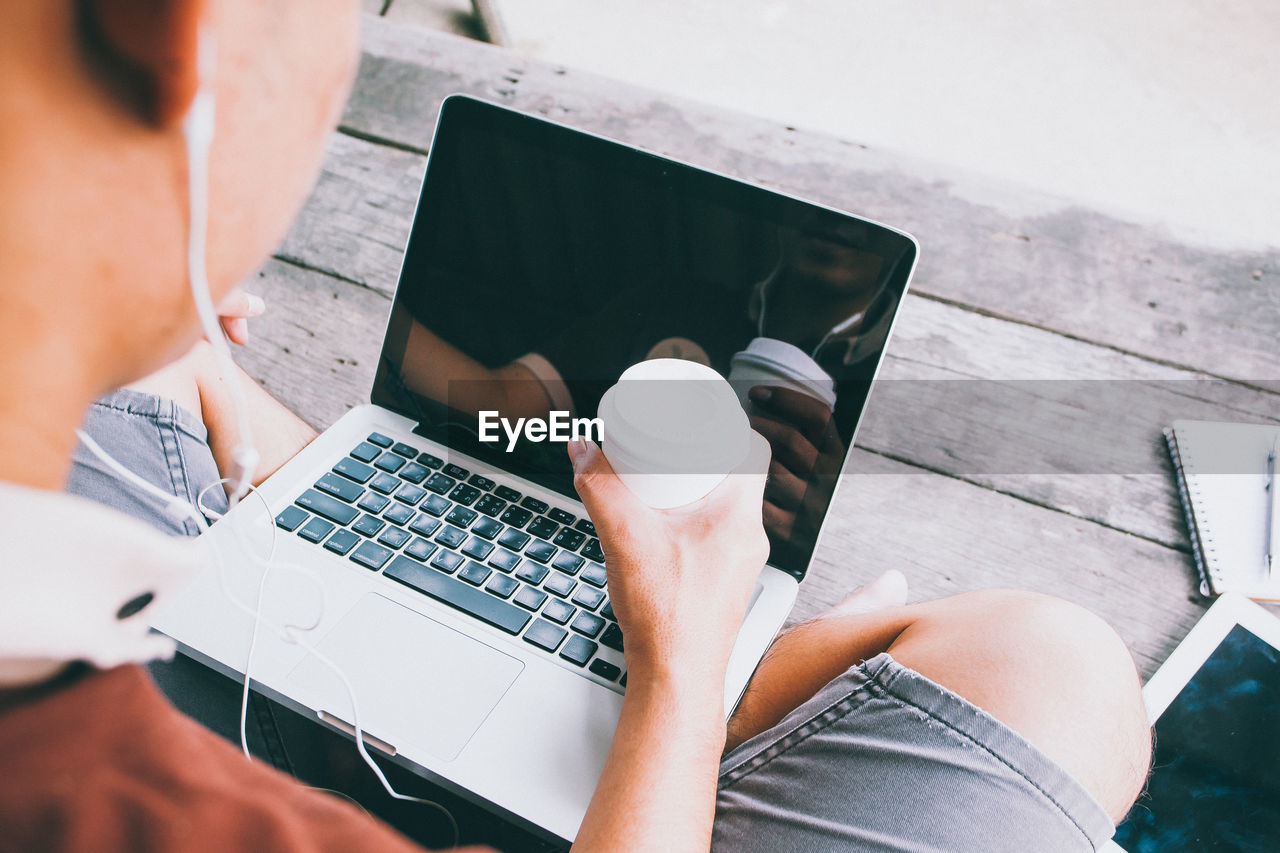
{"x":544,"y":261}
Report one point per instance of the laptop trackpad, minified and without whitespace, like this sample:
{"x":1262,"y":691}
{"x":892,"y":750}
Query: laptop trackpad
{"x":417,"y":681}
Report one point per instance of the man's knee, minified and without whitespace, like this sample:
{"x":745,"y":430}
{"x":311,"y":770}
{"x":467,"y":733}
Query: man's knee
{"x":1052,"y":671}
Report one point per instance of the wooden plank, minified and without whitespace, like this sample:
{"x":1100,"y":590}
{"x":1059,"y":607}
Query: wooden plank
{"x":1022,"y":436}
{"x":316,"y":348}
{"x":948,"y":536}
{"x":1009,"y":251}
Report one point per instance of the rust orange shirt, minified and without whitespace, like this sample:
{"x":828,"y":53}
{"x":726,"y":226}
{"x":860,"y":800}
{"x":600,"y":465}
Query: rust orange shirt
{"x":100,"y":761}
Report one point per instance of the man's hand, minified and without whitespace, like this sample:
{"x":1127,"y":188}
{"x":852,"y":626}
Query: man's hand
{"x":680,"y":579}
{"x":807,"y":454}
{"x":235,"y":310}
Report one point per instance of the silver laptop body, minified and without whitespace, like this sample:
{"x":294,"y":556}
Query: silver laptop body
{"x":450,"y":681}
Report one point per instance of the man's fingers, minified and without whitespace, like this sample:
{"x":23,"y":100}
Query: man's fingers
{"x":790,"y":447}
{"x":237,"y":329}
{"x":238,"y":303}
{"x":608,"y":500}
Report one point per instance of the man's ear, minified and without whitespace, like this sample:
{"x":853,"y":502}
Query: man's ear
{"x":149,"y":48}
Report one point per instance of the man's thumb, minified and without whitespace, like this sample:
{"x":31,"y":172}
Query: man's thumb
{"x":608,"y":500}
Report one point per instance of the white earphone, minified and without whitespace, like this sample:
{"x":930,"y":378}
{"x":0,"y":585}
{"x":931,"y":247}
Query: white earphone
{"x":197,"y":129}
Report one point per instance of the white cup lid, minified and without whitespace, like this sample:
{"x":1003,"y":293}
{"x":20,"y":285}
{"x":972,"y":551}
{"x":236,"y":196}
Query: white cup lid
{"x":789,"y":363}
{"x":673,"y":416}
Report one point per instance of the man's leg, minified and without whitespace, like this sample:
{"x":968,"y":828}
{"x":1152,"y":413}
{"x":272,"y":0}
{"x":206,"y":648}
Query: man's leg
{"x":898,"y":750}
{"x":168,"y":428}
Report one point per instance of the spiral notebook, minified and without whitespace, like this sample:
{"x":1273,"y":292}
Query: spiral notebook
{"x":1221,"y":470}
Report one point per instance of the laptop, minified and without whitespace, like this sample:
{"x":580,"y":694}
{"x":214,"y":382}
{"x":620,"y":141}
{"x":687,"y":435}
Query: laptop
{"x":458,"y":583}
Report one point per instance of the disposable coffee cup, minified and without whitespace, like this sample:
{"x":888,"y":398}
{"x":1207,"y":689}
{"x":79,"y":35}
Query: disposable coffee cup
{"x":673,"y":430}
{"x":767,"y":361}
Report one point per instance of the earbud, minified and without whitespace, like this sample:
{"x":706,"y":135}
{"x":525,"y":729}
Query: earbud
{"x":197,"y":131}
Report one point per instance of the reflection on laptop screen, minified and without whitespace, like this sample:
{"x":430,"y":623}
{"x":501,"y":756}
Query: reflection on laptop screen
{"x":543,"y":262}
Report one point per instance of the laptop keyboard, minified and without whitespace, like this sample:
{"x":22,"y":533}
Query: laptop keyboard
{"x":508,"y":559}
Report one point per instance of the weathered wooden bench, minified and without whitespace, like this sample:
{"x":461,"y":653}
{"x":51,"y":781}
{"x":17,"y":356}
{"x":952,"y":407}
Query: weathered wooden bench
{"x":1011,"y":285}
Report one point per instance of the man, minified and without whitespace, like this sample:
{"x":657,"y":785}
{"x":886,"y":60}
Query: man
{"x":992,"y":721}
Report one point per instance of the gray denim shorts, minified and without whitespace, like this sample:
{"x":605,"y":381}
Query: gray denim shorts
{"x":880,"y":759}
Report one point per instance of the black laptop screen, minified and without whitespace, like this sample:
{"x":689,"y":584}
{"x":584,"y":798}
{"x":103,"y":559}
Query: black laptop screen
{"x":543,"y":262}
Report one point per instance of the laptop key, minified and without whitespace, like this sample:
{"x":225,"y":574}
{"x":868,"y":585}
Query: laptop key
{"x":389,"y":462}
{"x":366,"y":452}
{"x":569,"y":539}
{"x":588,"y":597}
{"x":414,"y":473}
{"x":594,"y":574}
{"x":612,"y":637}
{"x":490,"y":505}
{"x":542,"y":527}
{"x":607,"y":611}
{"x":373,"y":502}
{"x":530,"y":598}
{"x":410,"y":494}
{"x":421,"y":549}
{"x":405,"y":450}
{"x":339,"y":487}
{"x":559,"y":611}
{"x":503,"y":560}
{"x":586,"y":527}
{"x":461,"y":516}
{"x":371,"y":555}
{"x":291,"y":518}
{"x":399,"y":514}
{"x":588,"y":624}
{"x":435,"y":505}
{"x":531,"y":572}
{"x":515,"y":516}
{"x":465,"y":495}
{"x":487,"y":528}
{"x":534,"y":504}
{"x":439,"y":483}
{"x":474,"y":572}
{"x":385,"y":483}
{"x":592,"y":551}
{"x":430,"y":460}
{"x":393,"y":537}
{"x":502,"y":586}
{"x":451,"y":536}
{"x":567,"y":562}
{"x":342,"y":542}
{"x":540,"y":551}
{"x":447,"y":561}
{"x":477,"y":548}
{"x":424,"y":525}
{"x":379,"y":439}
{"x":579,"y":650}
{"x":461,"y":596}
{"x":368,"y":525}
{"x":457,"y":472}
{"x":507,"y":493}
{"x":482,"y":483}
{"x":323,"y":505}
{"x":544,"y":635}
{"x":353,"y":470}
{"x":560,"y":584}
{"x":604,"y":669}
{"x":316,"y":529}
{"x":560,"y":516}
{"x":513,"y":539}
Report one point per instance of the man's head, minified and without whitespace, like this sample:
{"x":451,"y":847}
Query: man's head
{"x":93,"y":198}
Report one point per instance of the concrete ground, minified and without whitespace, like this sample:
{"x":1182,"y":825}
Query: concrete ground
{"x":1158,"y":111}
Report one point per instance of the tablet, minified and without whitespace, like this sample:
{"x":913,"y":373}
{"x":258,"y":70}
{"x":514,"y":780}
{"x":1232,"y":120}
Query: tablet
{"x":1215,"y":707}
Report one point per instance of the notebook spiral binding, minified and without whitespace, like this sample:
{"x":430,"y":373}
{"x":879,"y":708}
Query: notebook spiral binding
{"x":1185,"y":495}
